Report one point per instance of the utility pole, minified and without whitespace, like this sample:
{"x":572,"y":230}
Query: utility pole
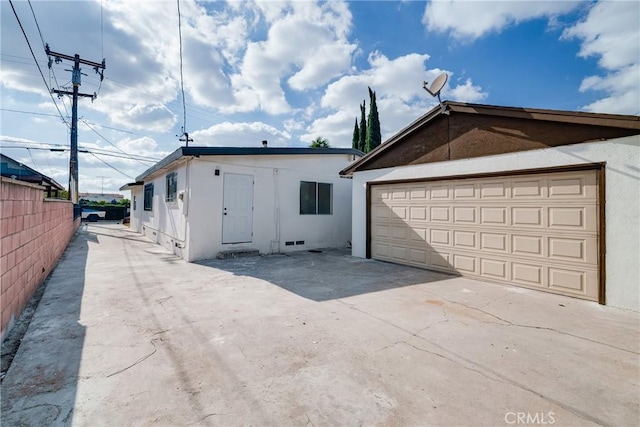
{"x":102,"y":177}
{"x":75,"y":79}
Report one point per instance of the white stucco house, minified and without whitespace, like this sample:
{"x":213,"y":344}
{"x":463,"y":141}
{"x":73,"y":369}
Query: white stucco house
{"x":202,"y":202}
{"x":542,"y":199}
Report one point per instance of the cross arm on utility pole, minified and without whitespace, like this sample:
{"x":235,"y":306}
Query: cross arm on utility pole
{"x":49,"y":52}
{"x":66,"y":92}
{"x":75,"y":79}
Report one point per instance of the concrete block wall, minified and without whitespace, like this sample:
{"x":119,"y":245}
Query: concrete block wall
{"x":34,"y":233}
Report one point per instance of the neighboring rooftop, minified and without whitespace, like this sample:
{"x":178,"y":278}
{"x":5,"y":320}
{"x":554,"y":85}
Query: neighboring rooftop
{"x":11,"y":168}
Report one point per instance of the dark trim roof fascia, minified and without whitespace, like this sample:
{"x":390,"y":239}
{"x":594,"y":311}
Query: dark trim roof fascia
{"x":575,"y":117}
{"x":130,"y":185}
{"x":241,"y":151}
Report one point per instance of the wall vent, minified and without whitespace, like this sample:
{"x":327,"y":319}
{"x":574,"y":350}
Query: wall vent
{"x":291,"y":243}
{"x":299,"y":242}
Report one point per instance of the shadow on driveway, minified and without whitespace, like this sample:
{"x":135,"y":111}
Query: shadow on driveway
{"x":27,"y":392}
{"x":332,"y":274}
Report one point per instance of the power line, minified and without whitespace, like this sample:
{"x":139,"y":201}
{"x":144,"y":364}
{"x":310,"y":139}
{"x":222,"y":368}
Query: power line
{"x":37,"y":166}
{"x":112,"y":167}
{"x":44,"y":46}
{"x":80,"y":150}
{"x":35,"y":113}
{"x":37,"y":25}
{"x":28,"y":112}
{"x":36,"y":61}
{"x":184,"y":104}
{"x":111,"y":143}
{"x":101,"y":34}
{"x":49,"y":145}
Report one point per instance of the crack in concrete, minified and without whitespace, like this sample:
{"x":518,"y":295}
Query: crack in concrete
{"x":212,"y":414}
{"x":497,"y":376}
{"x":309,"y":420}
{"x":544,"y":328}
{"x":142,"y":359}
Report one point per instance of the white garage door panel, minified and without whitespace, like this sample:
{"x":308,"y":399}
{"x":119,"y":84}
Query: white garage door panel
{"x":538,"y":231}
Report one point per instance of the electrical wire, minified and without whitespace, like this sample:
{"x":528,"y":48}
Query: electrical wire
{"x":54,"y":115}
{"x":51,"y":146}
{"x":101,"y":31}
{"x":109,"y":142}
{"x":184,"y":104}
{"x":112,"y":167}
{"x":37,"y":25}
{"x":44,"y":46}
{"x":35,"y":164}
{"x":36,"y":61}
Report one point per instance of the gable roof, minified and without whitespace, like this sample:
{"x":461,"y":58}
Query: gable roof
{"x":241,"y":151}
{"x":478,"y":129}
{"x":11,"y":168}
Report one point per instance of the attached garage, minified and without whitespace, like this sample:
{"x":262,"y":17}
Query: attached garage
{"x":537,"y":230}
{"x":541,"y":199}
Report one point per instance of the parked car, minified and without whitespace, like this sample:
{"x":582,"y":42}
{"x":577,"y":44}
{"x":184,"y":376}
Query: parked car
{"x":92,"y":215}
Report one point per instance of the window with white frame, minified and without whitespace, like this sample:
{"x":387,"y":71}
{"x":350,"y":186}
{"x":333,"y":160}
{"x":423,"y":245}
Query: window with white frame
{"x":316,"y":198}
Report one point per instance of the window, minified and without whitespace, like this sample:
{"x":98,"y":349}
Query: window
{"x":148,"y":197}
{"x":172,"y":187}
{"x":316,"y":198}
{"x":135,"y":203}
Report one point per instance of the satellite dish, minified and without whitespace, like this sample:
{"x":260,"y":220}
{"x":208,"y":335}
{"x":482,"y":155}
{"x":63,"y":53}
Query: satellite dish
{"x":436,"y":87}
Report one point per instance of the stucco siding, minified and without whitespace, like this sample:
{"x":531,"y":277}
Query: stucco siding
{"x":191,"y":227}
{"x":165,"y":223}
{"x":622,"y":200}
{"x":276,"y":215}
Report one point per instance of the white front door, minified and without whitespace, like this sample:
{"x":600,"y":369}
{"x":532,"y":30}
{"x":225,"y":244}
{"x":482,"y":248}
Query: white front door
{"x":237,"y":208}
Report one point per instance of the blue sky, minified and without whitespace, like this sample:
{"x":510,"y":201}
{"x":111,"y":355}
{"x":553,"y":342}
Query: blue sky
{"x":290,"y":71}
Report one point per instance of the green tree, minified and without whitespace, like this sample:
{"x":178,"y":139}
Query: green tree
{"x":355,"y":141}
{"x":362,"y":140}
{"x":374,"y":138}
{"x":319,"y":142}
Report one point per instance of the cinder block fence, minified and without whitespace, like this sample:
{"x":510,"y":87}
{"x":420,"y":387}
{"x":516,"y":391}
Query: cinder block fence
{"x":34,"y":233}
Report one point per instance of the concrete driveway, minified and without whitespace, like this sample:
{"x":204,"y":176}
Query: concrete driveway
{"x":128,"y":334}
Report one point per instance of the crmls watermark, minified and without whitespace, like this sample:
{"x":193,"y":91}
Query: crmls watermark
{"x":528,"y":418}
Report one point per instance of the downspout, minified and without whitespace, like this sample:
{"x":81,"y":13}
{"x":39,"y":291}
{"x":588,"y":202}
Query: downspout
{"x":185,"y":206}
{"x":276,"y":210}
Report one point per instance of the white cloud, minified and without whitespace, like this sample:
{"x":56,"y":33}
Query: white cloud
{"x":399,"y":94}
{"x":611,"y":32}
{"x":471,"y":19}
{"x":467,"y":92}
{"x":237,"y":134}
{"x":306,"y":46}
{"x":147,"y":117}
{"x":143,"y":146}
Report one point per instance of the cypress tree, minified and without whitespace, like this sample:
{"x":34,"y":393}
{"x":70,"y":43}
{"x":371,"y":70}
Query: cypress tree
{"x":355,"y":141}
{"x":362,"y":140}
{"x":374,"y":138}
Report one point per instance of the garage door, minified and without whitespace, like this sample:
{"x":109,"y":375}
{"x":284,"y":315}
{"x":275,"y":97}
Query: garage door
{"x":538,"y":231}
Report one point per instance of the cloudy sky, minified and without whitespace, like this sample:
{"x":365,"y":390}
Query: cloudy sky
{"x":291,"y":71}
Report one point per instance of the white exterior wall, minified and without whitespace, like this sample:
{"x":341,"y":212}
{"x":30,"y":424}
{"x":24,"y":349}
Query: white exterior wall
{"x":166,"y":222}
{"x":622,"y":204}
{"x":135,"y":216}
{"x":276,"y":197}
{"x":191,"y":227}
